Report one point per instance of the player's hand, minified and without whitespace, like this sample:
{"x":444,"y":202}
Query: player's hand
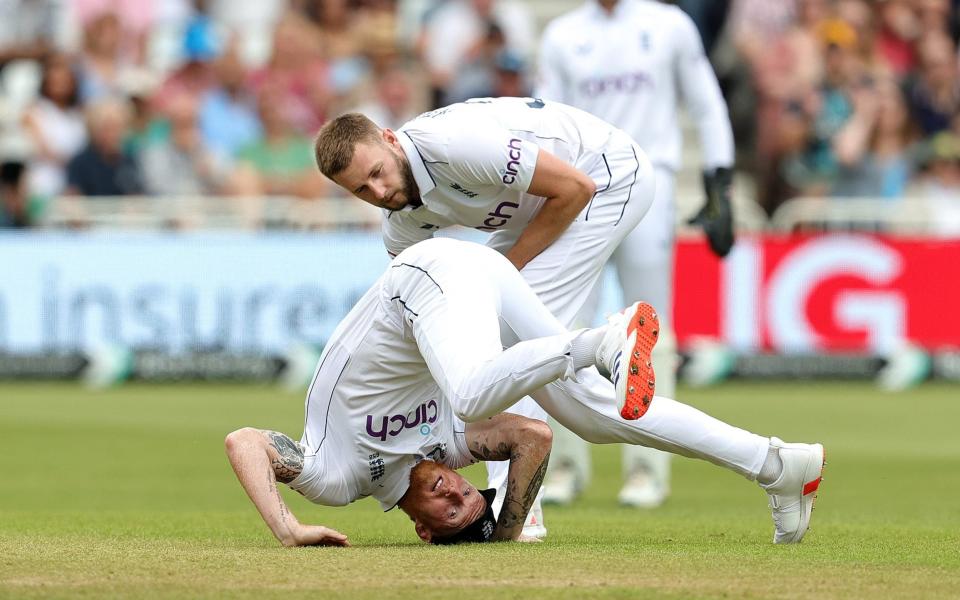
{"x":318,"y":535}
{"x":716,"y":216}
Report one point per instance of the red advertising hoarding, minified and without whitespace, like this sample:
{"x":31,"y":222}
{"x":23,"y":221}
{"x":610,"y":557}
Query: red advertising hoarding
{"x":824,"y":293}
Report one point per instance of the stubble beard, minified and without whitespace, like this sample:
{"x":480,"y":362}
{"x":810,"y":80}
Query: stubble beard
{"x":411,"y":192}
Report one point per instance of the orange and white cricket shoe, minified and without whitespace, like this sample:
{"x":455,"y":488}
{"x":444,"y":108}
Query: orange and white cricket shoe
{"x":791,"y":496}
{"x":625,"y":353}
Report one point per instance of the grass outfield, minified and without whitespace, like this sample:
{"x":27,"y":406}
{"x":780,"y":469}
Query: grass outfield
{"x":128,"y":493}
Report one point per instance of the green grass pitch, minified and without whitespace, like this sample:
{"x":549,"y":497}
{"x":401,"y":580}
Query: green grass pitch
{"x":127,"y":493}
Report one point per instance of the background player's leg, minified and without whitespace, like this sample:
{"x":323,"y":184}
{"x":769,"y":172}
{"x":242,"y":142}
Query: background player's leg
{"x":570,"y":466}
{"x":644,"y":266}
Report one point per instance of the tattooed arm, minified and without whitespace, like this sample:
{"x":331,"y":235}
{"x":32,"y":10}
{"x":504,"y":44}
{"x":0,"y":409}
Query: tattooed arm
{"x":260,"y":459}
{"x":526,"y":444}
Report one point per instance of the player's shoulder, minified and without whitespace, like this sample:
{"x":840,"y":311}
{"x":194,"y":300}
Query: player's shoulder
{"x":567,"y":23}
{"x":665,"y":16}
{"x":429,"y":136}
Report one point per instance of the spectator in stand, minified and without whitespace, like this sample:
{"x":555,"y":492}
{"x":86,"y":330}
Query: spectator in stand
{"x":934,"y":92}
{"x":510,"y":75}
{"x":181,"y":165}
{"x":376,"y":26}
{"x":196,"y":75}
{"x":392,"y":103}
{"x":228,"y":112}
{"x":254,"y":22}
{"x":474,"y":78}
{"x":862,"y":17}
{"x":298,"y":71}
{"x":55,"y":126}
{"x":103,"y":167}
{"x":873,"y":148}
{"x":457,"y":31}
{"x":787,"y":65}
{"x":940,"y":184}
{"x":333,"y":20}
{"x":30,"y":29}
{"x":899,"y":30}
{"x":812,"y":168}
{"x":103,"y":65}
{"x":14,"y":205}
{"x":135,"y":19}
{"x":282,"y":162}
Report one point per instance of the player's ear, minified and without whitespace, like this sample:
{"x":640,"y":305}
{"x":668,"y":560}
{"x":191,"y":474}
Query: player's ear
{"x":423,"y":531}
{"x":389,"y":136}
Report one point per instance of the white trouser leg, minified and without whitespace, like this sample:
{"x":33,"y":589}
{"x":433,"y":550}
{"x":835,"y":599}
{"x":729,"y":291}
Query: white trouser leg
{"x":458,"y":334}
{"x":563,"y":274}
{"x":587,"y":405}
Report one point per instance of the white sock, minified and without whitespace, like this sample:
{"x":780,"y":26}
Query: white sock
{"x":583,"y":348}
{"x":772,"y":467}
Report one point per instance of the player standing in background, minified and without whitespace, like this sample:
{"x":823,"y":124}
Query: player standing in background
{"x":629,"y":62}
{"x":556,"y":188}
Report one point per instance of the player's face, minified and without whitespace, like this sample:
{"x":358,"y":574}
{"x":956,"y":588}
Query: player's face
{"x":380,"y":174}
{"x":440,"y":500}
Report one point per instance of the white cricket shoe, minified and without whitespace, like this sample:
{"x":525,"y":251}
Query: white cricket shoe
{"x":625,"y":354}
{"x":642,"y":490}
{"x":560,"y":486}
{"x":791,"y":496}
{"x":534,"y":527}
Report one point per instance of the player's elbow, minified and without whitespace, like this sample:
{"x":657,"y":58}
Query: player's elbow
{"x":587,"y":188}
{"x":538,"y":434}
{"x":236,"y":440}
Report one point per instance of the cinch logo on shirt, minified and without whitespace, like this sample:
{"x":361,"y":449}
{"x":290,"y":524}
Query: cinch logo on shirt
{"x":463,"y":190}
{"x":624,"y":83}
{"x":496,"y":218}
{"x":394,"y":424}
{"x":513,"y":153}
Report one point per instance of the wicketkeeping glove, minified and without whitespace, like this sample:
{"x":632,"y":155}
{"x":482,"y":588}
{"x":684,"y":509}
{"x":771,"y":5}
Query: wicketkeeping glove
{"x":716,"y":216}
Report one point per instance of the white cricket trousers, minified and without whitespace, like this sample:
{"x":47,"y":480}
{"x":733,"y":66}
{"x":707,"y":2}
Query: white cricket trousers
{"x":469,"y":299}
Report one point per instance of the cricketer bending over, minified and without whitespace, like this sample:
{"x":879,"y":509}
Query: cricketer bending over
{"x":556,"y":188}
{"x":411,"y":384}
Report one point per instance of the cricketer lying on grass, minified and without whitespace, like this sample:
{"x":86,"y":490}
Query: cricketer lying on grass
{"x":412,"y":383}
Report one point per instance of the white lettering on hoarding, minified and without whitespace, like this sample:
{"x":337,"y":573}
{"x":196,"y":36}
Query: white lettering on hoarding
{"x":789,"y":288}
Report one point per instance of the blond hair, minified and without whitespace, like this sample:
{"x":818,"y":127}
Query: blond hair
{"x":338,"y":138}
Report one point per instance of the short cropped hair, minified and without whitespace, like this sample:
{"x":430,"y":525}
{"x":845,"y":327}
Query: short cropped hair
{"x":338,"y":138}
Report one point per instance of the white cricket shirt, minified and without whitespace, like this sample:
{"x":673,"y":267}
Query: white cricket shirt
{"x":474,"y":161}
{"x":373,"y":411}
{"x":630,"y":68}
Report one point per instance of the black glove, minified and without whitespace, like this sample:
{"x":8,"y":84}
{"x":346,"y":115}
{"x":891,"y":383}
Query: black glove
{"x":716,"y":216}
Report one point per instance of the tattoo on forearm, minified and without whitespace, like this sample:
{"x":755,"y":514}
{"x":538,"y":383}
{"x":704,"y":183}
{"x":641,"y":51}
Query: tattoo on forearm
{"x":482,"y":450}
{"x":289,"y":463}
{"x":534,"y":486}
{"x":272,"y":486}
{"x":515,"y":505}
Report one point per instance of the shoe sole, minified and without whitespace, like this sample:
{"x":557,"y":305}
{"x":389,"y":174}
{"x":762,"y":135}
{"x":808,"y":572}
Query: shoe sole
{"x":636,"y":381}
{"x":813,"y":477}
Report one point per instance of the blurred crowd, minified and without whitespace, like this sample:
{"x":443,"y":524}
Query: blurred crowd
{"x":830,"y":98}
{"x":847,"y":98}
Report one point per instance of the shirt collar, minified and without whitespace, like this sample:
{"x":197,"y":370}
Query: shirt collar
{"x":420,"y":173}
{"x":601,"y":13}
